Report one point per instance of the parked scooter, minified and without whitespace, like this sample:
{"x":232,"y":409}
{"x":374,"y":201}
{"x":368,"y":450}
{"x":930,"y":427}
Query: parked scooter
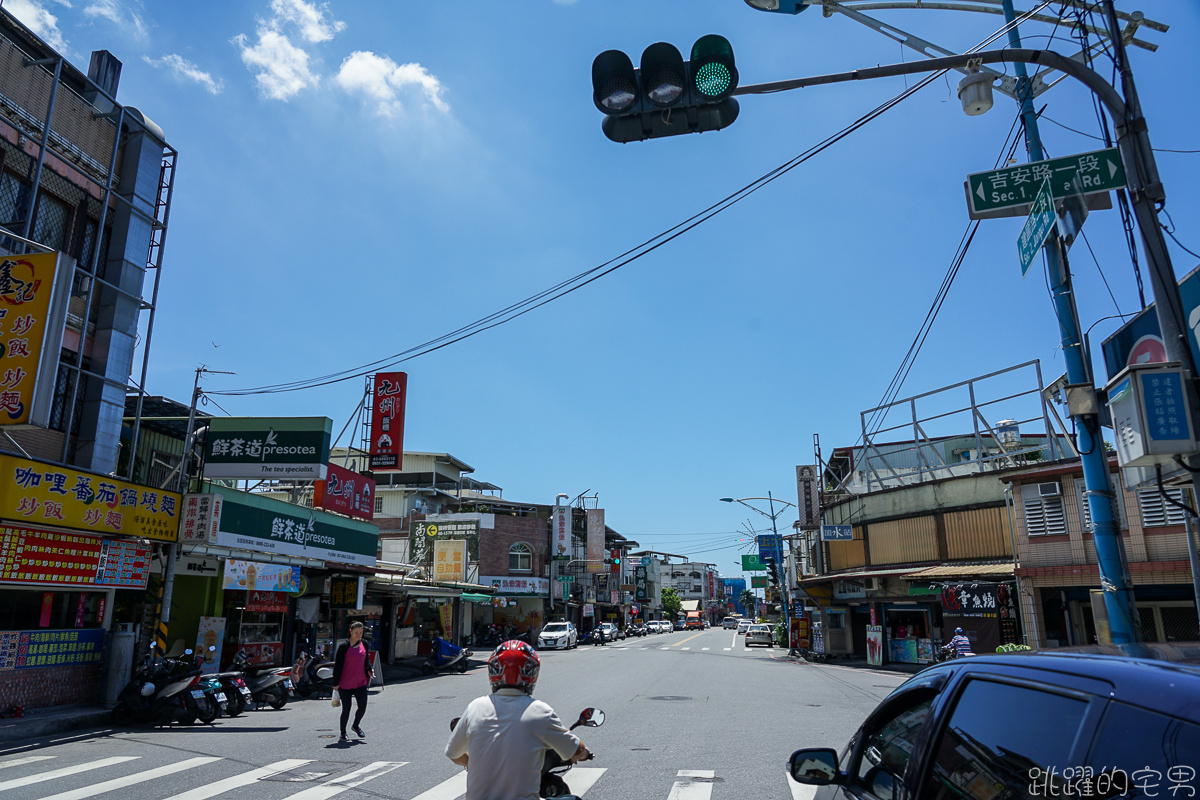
{"x":268,"y":685}
{"x":445,"y":656}
{"x":312,"y":676}
{"x":554,"y":767}
{"x":163,"y":692}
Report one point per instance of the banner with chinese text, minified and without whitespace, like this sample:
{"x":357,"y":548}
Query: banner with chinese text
{"x":25,"y":649}
{"x":28,"y":555}
{"x":445,"y":526}
{"x":253,"y":576}
{"x":450,"y":559}
{"x":46,"y":494}
{"x":517,"y":586}
{"x":345,"y":492}
{"x":595,"y":540}
{"x":561,"y":533}
{"x":346,"y":593}
{"x":201,"y":518}
{"x":387,"y":421}
{"x":34,"y":290}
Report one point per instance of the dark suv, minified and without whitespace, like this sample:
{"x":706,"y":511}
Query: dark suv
{"x":1038,"y":725}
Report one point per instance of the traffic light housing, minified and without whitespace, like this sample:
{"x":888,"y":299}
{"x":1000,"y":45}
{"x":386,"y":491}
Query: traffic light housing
{"x":666,"y":96}
{"x":778,"y":6}
{"x":614,"y":560}
{"x":772,"y":571}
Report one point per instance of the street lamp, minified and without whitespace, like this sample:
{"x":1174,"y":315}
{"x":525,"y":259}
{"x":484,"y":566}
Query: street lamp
{"x":774,"y":515}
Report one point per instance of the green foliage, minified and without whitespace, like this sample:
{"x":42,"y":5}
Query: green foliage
{"x":1012,"y":648}
{"x":671,"y":604}
{"x":780,"y":632}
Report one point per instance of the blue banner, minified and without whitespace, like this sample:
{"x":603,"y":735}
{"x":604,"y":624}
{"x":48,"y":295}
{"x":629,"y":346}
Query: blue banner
{"x":25,"y":649}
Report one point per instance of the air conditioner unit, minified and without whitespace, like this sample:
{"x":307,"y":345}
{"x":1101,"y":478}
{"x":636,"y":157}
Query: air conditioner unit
{"x":1049,"y":490}
{"x":870,"y":583}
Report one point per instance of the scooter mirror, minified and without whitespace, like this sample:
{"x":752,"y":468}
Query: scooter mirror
{"x":212,"y":648}
{"x":187,"y":652}
{"x":591,"y":718}
{"x":454,"y":722}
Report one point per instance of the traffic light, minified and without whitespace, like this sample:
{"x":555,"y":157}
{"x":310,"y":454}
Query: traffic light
{"x":615,"y":560}
{"x":773,"y":571}
{"x":778,"y":6}
{"x":666,"y":96}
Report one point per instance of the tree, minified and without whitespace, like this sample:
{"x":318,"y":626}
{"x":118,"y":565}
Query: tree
{"x":748,"y":600}
{"x":671,"y":604}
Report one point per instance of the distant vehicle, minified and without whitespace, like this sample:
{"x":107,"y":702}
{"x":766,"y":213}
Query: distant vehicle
{"x":611,"y":632}
{"x":743,"y":624}
{"x":694,"y":621}
{"x":636,"y":629}
{"x":661,"y":626}
{"x":760,"y":634}
{"x":730,"y":622}
{"x":680,"y":624}
{"x":558,"y":634}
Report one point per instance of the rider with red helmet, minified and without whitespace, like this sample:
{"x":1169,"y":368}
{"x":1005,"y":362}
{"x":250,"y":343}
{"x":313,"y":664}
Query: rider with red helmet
{"x":505,"y":735}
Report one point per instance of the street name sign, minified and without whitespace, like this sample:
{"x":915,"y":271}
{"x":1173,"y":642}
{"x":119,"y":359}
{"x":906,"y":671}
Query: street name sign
{"x":837,"y":533}
{"x":1012,"y":187}
{"x":1042,"y":219}
{"x":566,"y":578}
{"x":751,"y":562}
{"x":758,"y":582}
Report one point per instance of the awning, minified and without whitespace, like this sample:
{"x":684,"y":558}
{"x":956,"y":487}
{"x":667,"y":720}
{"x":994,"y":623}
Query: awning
{"x":476,"y":598}
{"x":858,"y":573}
{"x":969,"y":571}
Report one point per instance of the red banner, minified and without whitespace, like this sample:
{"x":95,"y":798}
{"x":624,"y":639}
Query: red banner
{"x":346,"y":492}
{"x":28,"y":555}
{"x":267,"y":602}
{"x":387,"y":420}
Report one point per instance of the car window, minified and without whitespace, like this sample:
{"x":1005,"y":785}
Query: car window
{"x":1143,"y":752}
{"x":555,"y":627}
{"x":886,"y":751}
{"x":998,"y":740}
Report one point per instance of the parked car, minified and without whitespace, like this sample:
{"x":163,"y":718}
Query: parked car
{"x":562,"y":635}
{"x":760,"y":634}
{"x":1023,"y":725}
{"x":611,"y":632}
{"x":743,"y":625}
{"x":660,"y":625}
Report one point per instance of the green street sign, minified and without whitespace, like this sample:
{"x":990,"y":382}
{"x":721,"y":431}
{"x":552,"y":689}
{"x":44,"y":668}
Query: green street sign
{"x":750,"y":563}
{"x":1013,"y":187}
{"x":1041,"y":221}
{"x":566,"y":578}
{"x":758,"y":581}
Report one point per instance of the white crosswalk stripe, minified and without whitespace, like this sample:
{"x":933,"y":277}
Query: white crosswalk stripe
{"x":689,"y":789}
{"x":801,"y":791}
{"x":16,"y":762}
{"x":53,"y":774}
{"x":244,"y":779}
{"x":580,"y":779}
{"x":130,"y":780}
{"x":347,"y":781}
{"x":448,"y":789}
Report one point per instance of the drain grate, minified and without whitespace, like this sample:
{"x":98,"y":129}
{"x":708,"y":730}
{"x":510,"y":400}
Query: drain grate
{"x":669,"y":697}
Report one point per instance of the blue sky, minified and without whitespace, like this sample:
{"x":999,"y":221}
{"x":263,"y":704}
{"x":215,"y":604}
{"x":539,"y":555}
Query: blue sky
{"x":356,"y":179}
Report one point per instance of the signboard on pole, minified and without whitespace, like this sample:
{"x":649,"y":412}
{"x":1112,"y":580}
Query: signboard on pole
{"x":837,"y":533}
{"x":34,"y":292}
{"x":1042,"y":219}
{"x":758,"y":581}
{"x":641,"y":590}
{"x":450,"y":559}
{"x":1017,"y":186}
{"x":387,"y":421}
{"x":752,"y":562}
{"x":274,"y":448}
{"x":345,"y":492}
{"x":595,"y":540}
{"x":560,"y":522}
{"x":808,"y":492}
{"x":768,"y":548}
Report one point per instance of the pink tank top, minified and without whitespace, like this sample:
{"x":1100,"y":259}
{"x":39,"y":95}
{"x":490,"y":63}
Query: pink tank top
{"x":353,"y":668}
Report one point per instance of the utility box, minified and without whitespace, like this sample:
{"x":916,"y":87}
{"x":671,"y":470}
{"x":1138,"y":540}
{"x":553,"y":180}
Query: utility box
{"x":120,"y":662}
{"x":1150,"y":415}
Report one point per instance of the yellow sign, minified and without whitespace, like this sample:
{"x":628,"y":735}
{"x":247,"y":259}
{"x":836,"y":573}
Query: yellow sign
{"x":51,"y":495}
{"x":26,"y":286}
{"x":450,"y":560}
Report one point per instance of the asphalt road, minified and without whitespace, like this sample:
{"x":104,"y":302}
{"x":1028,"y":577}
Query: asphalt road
{"x":689,"y":715}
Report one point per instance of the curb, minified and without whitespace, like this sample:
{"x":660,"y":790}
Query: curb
{"x":36,"y":726}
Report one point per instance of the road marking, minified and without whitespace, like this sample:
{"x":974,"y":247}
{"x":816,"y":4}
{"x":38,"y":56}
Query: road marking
{"x":447,"y":789}
{"x":28,"y":780}
{"x":706,"y":648}
{"x":800,"y":791}
{"x":685,"y":648}
{"x":16,"y":762}
{"x":347,"y":781}
{"x":580,"y":779}
{"x":245,"y":779}
{"x":692,"y":790}
{"x":130,"y":780}
{"x":693,"y":636}
{"x":668,"y":647}
{"x":727,"y":649}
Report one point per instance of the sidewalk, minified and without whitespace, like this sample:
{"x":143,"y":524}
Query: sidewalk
{"x":860,"y":663}
{"x":41,"y":722}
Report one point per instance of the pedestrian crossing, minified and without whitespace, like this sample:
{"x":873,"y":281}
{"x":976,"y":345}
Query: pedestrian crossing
{"x":209,"y":777}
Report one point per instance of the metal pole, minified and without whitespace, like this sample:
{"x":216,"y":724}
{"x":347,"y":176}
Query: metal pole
{"x":782,"y":570}
{"x":1189,"y":530}
{"x":1110,"y":553}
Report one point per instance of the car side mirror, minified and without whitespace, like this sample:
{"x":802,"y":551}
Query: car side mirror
{"x":816,"y":766}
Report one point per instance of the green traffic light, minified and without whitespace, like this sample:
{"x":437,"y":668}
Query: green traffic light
{"x":714,"y":75}
{"x":712,"y":79}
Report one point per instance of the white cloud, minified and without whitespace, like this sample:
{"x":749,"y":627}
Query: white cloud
{"x":112,"y":11}
{"x":308,"y":17}
{"x":283,"y":67}
{"x":383,"y":80}
{"x":185,"y":70}
{"x":35,"y":17}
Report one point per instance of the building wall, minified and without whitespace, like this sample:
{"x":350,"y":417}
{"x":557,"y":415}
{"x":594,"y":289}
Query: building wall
{"x":39,"y":688}
{"x":494,"y":545}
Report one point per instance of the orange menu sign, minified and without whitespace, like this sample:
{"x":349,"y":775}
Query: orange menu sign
{"x":28,"y":555}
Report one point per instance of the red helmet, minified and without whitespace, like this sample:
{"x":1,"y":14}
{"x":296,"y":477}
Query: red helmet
{"x":514,"y":665}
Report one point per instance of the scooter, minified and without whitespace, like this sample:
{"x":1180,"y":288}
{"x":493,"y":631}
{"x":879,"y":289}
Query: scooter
{"x":268,"y":685}
{"x":161,"y":693}
{"x":445,"y":656}
{"x":312,"y":676}
{"x":553,"y":766}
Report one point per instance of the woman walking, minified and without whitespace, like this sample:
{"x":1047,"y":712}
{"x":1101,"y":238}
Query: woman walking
{"x":352,"y":674}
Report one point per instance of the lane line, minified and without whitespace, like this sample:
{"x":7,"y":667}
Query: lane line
{"x":130,"y":780}
{"x":580,"y":779}
{"x":16,"y":762}
{"x":692,"y":790}
{"x":245,"y":779}
{"x":29,"y":780}
{"x":706,"y":648}
{"x":348,"y":781}
{"x":800,"y":791}
{"x":448,"y":789}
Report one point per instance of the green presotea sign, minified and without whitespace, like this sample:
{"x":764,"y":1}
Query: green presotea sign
{"x":265,"y":525}
{"x":274,"y":448}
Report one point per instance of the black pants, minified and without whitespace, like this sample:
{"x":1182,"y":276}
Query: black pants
{"x":360,"y":696}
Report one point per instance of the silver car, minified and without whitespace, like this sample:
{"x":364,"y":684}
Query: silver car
{"x":760,"y":634}
{"x":558,"y":635}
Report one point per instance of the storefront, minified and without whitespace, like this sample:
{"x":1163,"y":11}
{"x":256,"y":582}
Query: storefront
{"x":907,"y":629}
{"x":519,"y":603}
{"x":72,"y":546}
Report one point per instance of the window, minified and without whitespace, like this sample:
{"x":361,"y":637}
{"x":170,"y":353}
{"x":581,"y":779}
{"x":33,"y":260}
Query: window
{"x":1157,"y":512}
{"x":1043,"y":515}
{"x":53,"y":221}
{"x":982,"y":753}
{"x":1149,"y":748}
{"x":30,"y":610}
{"x":378,"y":504}
{"x":520,"y":558}
{"x":886,"y":751}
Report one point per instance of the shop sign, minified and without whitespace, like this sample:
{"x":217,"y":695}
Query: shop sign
{"x":346,"y":592}
{"x":263,"y":654}
{"x":34,"y":290}
{"x":446,"y":617}
{"x":45,"y":494}
{"x":28,"y":555}
{"x":267,"y":602}
{"x":266,"y":525}
{"x":970,"y":598}
{"x":211,"y":634}
{"x":424,"y":532}
{"x":641,"y":590}
{"x":518,"y":586}
{"x":595,"y":540}
{"x":875,"y":645}
{"x":589,"y":610}
{"x":199,"y":566}
{"x":253,"y":576}
{"x":387,"y":421}
{"x":267,"y":447}
{"x":201,"y":518}
{"x":25,"y":649}
{"x":561,"y":523}
{"x":345,"y":492}
{"x":450,"y":560}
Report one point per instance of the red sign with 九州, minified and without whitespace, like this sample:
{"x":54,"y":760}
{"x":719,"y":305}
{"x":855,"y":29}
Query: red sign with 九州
{"x":345,"y":492}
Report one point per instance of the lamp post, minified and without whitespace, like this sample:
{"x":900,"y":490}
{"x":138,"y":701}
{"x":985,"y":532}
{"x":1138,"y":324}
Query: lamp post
{"x":774,"y":515}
